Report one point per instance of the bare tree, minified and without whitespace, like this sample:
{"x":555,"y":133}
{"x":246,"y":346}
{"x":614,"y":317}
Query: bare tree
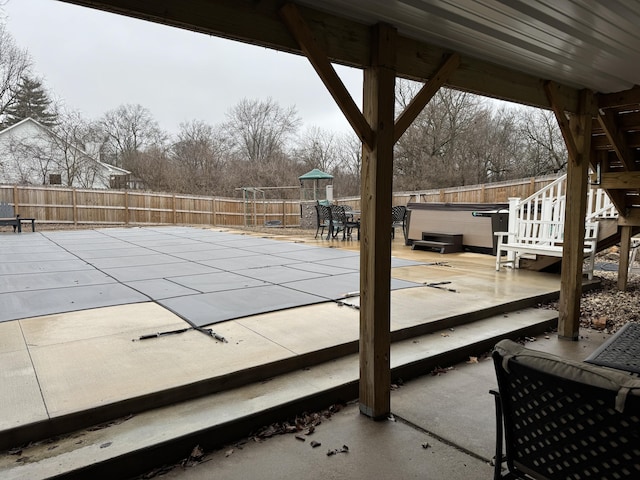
{"x":14,"y":63}
{"x":544,"y":149}
{"x":488,"y":150}
{"x":349,"y":151}
{"x":199,"y":155}
{"x":428,"y":155}
{"x":157,"y":171}
{"x":317,"y":148}
{"x":128,"y":131}
{"x":70,"y":136}
{"x":259,"y":130}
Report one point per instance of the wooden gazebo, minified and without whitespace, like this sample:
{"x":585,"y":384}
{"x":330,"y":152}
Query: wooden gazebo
{"x":580,"y":59}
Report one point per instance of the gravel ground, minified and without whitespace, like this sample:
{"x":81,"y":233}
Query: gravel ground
{"x":607,"y":308}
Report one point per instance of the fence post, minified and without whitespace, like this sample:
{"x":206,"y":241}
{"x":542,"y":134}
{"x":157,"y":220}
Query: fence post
{"x":75,"y":206}
{"x":173,"y":199}
{"x":15,"y":198}
{"x":284,"y":213}
{"x":126,"y":207}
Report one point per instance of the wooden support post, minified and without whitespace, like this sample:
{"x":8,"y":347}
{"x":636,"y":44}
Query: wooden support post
{"x":375,"y":240}
{"x":579,"y":131}
{"x":625,"y":250}
{"x":15,"y":199}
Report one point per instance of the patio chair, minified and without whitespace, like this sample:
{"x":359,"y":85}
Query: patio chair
{"x":399,"y":219}
{"x":563,"y":419}
{"x":323,"y":218}
{"x":341,"y":222}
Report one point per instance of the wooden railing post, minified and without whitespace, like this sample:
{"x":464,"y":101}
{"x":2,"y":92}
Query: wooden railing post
{"x":15,"y":199}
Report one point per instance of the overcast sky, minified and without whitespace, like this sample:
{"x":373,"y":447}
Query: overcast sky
{"x":95,"y":61}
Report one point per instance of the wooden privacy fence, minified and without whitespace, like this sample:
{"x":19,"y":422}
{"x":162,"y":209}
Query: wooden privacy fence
{"x":131,"y":207}
{"x":498,"y":192}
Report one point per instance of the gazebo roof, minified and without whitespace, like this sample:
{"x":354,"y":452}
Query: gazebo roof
{"x":315,"y":174}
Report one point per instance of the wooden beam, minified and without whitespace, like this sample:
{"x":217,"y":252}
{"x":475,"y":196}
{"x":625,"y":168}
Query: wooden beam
{"x":625,"y":120}
{"x":631,"y":219}
{"x":318,"y":58}
{"x":619,"y":201}
{"x":375,"y":232}
{"x":579,"y":130}
{"x":425,"y":94}
{"x":344,"y":41}
{"x":619,"y":99}
{"x":616,"y":138}
{"x":620,"y":180}
{"x":623,"y":263}
{"x":601,"y":142}
{"x":563,"y":122}
{"x":617,"y":197}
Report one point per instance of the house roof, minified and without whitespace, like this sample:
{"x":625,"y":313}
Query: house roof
{"x":110,"y":168}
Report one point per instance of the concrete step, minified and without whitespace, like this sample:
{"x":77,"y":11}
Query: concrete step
{"x":135,"y":444}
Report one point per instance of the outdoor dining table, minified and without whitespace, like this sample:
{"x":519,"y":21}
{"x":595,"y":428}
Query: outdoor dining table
{"x":621,"y":351}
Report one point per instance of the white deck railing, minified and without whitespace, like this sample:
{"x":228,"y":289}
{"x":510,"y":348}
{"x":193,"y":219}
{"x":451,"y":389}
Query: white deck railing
{"x":539,"y":219}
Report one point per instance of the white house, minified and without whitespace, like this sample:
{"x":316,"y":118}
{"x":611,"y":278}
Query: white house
{"x":32,"y":154}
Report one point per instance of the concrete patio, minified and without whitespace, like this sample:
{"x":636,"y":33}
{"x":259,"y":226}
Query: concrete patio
{"x":69,"y":370}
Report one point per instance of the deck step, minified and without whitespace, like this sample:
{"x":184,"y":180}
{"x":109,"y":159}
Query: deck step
{"x":137,"y":444}
{"x":442,"y":242}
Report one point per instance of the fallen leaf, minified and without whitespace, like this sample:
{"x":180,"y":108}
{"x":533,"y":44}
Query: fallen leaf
{"x":473,"y":360}
{"x":196,"y":453}
{"x":344,"y":449}
{"x":599,"y":323}
{"x":314,"y":444}
{"x":301,"y":438}
{"x":228,"y":453}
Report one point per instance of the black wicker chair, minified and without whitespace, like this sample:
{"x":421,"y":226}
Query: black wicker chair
{"x":323,"y":218}
{"x":399,"y":219}
{"x":564,"y":419}
{"x":341,"y":222}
